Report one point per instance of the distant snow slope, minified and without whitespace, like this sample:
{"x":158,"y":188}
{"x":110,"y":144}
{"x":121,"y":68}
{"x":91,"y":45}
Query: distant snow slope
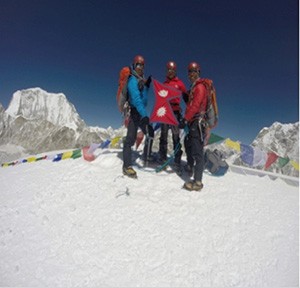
{"x":83,"y":224}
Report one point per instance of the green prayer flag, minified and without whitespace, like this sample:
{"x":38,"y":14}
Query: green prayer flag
{"x":76,"y":154}
{"x":283,"y":161}
{"x":214,"y":138}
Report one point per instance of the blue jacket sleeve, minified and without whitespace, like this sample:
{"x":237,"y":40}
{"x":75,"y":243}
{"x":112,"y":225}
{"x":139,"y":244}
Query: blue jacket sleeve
{"x":137,"y":98}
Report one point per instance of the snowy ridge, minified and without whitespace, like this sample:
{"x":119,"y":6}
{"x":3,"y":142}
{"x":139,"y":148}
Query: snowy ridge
{"x":77,"y":223}
{"x":282,"y":139}
{"x":50,"y":120}
{"x":37,"y":104}
{"x":261,"y":173}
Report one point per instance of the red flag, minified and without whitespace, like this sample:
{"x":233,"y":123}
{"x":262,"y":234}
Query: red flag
{"x":162,"y":111}
{"x":272,"y":157}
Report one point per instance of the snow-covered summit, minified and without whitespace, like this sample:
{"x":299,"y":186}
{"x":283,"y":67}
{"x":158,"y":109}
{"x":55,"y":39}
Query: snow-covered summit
{"x":39,"y":121}
{"x":37,"y":104}
{"x":282,"y":139}
{"x":75,"y":223}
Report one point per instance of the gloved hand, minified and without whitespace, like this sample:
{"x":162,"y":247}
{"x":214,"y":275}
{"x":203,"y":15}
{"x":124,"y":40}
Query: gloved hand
{"x":141,"y":84}
{"x":145,"y":121}
{"x":148,"y":81}
{"x":179,"y":117}
{"x":182,"y":124}
{"x":185,"y":97}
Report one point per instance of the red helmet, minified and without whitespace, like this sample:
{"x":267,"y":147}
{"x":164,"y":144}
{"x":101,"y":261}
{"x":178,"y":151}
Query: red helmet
{"x":194,"y":66}
{"x":171,"y":65}
{"x":138,"y":60}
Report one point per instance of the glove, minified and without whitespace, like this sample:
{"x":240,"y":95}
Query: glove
{"x":145,"y":121}
{"x":141,"y":85}
{"x":179,"y":116}
{"x":182,"y":124}
{"x":185,"y":97}
{"x":148,"y":81}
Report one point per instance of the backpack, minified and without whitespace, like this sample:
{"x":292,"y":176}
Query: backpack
{"x":122,"y":94}
{"x":211,"y":114}
{"x":214,"y":162}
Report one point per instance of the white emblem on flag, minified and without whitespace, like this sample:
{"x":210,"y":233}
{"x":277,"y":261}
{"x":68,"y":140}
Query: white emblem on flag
{"x":161,"y":112}
{"x":163,"y":93}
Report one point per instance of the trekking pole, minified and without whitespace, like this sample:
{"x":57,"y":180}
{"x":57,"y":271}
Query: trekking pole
{"x":148,"y":146}
{"x":148,"y":139}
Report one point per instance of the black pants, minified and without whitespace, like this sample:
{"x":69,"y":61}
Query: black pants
{"x":188,"y":151}
{"x":133,"y":125}
{"x":163,"y":140}
{"x":194,"y":143}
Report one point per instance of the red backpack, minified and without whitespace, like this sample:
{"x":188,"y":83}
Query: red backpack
{"x":211,"y":114}
{"x":122,"y":95}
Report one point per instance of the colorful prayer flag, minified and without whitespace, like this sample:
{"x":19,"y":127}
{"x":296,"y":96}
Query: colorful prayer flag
{"x":234,"y":145}
{"x":115,"y":141}
{"x":213,"y":138}
{"x":295,"y":164}
{"x":76,"y":154}
{"x":67,"y":155}
{"x":272,"y":157}
{"x":247,"y":154}
{"x":259,"y":158}
{"x":283,"y":161}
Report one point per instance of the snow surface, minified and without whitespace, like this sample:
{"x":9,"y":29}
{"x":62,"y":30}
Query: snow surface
{"x":82,"y":224}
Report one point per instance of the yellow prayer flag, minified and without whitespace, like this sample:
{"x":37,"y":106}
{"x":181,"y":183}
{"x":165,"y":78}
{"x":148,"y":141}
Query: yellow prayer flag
{"x":115,"y":141}
{"x":295,"y":164}
{"x":67,"y":155}
{"x":232,"y":144}
{"x":31,"y":159}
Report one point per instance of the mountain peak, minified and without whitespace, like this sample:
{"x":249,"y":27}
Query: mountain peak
{"x":280,"y":138}
{"x":38,"y":104}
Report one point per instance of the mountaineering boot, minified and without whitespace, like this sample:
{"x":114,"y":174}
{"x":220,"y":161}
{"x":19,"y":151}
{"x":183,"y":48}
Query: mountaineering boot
{"x":130,"y":172}
{"x":193,"y":185}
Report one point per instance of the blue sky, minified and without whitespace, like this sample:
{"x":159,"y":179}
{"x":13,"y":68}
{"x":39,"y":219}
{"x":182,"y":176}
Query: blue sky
{"x":249,"y":48}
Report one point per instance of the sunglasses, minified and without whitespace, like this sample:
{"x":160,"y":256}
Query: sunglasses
{"x":139,"y":65}
{"x":193,"y":71}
